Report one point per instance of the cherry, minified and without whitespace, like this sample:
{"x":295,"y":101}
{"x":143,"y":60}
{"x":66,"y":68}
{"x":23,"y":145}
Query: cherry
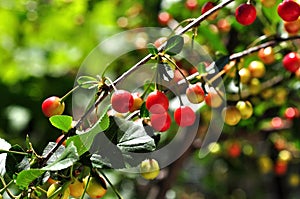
{"x":53,"y":106}
{"x":160,"y":122}
{"x":231,"y":115}
{"x":207,"y":6}
{"x":245,"y":108}
{"x":149,"y":169}
{"x":122,"y":101}
{"x":234,"y":150}
{"x":280,"y":167}
{"x":266,"y":55}
{"x":191,"y":4}
{"x":59,"y":138}
{"x":76,"y":188}
{"x":184,"y":116}
{"x":257,"y":69}
{"x":164,"y":18}
{"x":52,"y":192}
{"x":157,"y":102}
{"x":245,"y":14}
{"x":195,"y":93}
{"x":213,"y":100}
{"x":291,"y":113}
{"x":292,"y":27}
{"x":288,"y":10}
{"x":137,"y":102}
{"x":245,"y":75}
{"x":291,"y":62}
{"x":95,"y":186}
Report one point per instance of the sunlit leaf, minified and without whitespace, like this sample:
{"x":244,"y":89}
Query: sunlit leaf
{"x":62,"y":122}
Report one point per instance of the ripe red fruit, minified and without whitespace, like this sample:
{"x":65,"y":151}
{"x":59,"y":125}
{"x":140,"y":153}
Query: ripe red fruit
{"x":292,"y":27}
{"x":184,"y":116}
{"x":288,"y":10}
{"x":121,"y":101}
{"x":291,"y":113}
{"x":291,"y":62}
{"x":59,"y":138}
{"x":195,"y":93}
{"x":245,"y":14}
{"x":164,"y":18}
{"x":280,"y":167}
{"x":160,"y":122}
{"x":207,"y":6}
{"x":53,"y":106}
{"x":234,"y":150}
{"x":157,"y":102}
{"x":191,"y":4}
{"x":266,"y":55}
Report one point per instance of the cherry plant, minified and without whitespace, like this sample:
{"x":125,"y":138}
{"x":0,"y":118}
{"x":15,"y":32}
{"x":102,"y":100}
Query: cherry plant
{"x":134,"y":121}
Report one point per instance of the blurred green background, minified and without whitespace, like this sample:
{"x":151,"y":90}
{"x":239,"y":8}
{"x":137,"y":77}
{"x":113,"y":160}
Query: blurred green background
{"x":44,"y":42}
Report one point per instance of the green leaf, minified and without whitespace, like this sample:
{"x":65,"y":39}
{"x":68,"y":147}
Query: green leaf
{"x":100,"y":162}
{"x":3,"y":146}
{"x":174,"y":45}
{"x":144,"y":111}
{"x":132,"y":137}
{"x":65,"y":160}
{"x":152,"y":49}
{"x":84,"y":141}
{"x":62,"y":122}
{"x":87,"y":82}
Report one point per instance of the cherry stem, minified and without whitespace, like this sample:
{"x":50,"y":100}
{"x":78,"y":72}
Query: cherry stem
{"x":62,"y":99}
{"x":111,"y":84}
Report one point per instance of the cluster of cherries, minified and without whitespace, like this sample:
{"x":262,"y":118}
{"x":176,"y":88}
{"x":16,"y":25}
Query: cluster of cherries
{"x":157,"y":103}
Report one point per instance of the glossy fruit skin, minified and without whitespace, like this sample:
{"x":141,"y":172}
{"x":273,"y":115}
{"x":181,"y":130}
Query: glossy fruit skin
{"x":195,"y":93}
{"x":288,"y":10}
{"x":266,"y":55}
{"x":122,"y":101}
{"x":245,"y":14}
{"x":207,"y":6}
{"x":291,"y":113}
{"x":292,"y":27}
{"x":245,"y":108}
{"x":76,"y":188}
{"x":164,"y":18}
{"x":157,"y":102}
{"x":96,"y":187}
{"x":291,"y":62}
{"x":231,"y":115}
{"x":257,"y":69}
{"x":184,"y":116}
{"x":245,"y":75}
{"x":160,"y":122}
{"x":191,"y":4}
{"x":59,"y":138}
{"x":62,"y":195}
{"x":149,"y":169}
{"x":213,"y":100}
{"x":53,"y":106}
{"x":137,"y":102}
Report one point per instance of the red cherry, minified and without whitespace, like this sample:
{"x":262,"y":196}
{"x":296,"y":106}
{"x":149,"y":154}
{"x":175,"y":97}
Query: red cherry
{"x":191,"y":4}
{"x":59,"y":138}
{"x":157,"y":102}
{"x":184,"y":116}
{"x":291,"y":113}
{"x":160,"y":122}
{"x":122,"y":101}
{"x":280,"y":167}
{"x":53,"y":106}
{"x":245,"y":14}
{"x":195,"y":93}
{"x":291,"y":62}
{"x":234,"y":150}
{"x":207,"y":6}
{"x":289,"y":10}
{"x":164,"y":18}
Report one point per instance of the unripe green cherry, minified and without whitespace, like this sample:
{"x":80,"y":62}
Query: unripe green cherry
{"x":149,"y":169}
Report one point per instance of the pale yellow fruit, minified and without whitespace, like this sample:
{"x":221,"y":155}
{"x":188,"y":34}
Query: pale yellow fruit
{"x":231,"y":115}
{"x":245,"y":108}
{"x":149,"y":169}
